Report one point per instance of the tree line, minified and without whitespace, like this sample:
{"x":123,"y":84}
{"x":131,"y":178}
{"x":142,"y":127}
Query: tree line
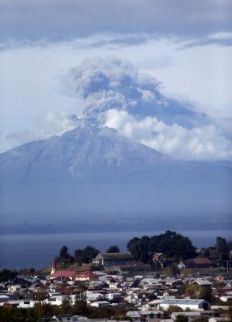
{"x":81,"y":256}
{"x":173,"y":245}
{"x":170,"y":243}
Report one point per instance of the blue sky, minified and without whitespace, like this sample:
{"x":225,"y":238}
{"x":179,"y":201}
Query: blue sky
{"x":185,"y":46}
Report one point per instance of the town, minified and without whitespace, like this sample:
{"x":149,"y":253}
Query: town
{"x":160,"y":278}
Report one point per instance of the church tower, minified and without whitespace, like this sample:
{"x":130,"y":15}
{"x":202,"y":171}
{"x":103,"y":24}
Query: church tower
{"x":53,"y":267}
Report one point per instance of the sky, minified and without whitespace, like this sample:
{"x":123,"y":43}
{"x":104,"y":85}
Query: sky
{"x":175,"y":53}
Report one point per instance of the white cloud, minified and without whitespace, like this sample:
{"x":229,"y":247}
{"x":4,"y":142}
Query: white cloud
{"x":221,"y":36}
{"x":44,"y":126}
{"x":30,"y":74}
{"x":200,"y":143}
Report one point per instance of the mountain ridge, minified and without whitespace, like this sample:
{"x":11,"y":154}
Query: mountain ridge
{"x":94,"y":171}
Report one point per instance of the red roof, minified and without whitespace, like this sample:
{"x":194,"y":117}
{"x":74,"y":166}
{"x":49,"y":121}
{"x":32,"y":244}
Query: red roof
{"x":86,"y":274}
{"x":64,"y":274}
{"x":72,"y":274}
{"x":202,"y":260}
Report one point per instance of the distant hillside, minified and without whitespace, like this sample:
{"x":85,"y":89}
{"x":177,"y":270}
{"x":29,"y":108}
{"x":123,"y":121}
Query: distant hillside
{"x":94,"y":177}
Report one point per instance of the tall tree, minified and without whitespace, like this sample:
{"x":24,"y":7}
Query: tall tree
{"x":181,"y":318}
{"x":222,"y":248}
{"x":170,"y":243}
{"x":86,"y":255}
{"x":6,"y":275}
{"x":66,"y":305}
{"x":134,"y":246}
{"x":64,"y":256}
{"x":113,"y":249}
{"x":64,"y":252}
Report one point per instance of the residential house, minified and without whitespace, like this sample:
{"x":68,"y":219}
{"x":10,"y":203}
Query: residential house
{"x":184,"y":304}
{"x":65,"y":274}
{"x":199,"y":262}
{"x":114,"y":260}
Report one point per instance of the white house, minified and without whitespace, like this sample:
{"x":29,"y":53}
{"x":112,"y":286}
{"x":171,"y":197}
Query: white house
{"x":132,"y":298}
{"x":23,"y":304}
{"x":26,"y":304}
{"x":55,"y":300}
{"x":100,"y":304}
{"x":113,"y":296}
{"x":14,"y":288}
{"x":219,"y":319}
{"x":93,"y":296}
{"x":4,"y":299}
{"x":134,"y":315}
{"x":225,"y":298}
{"x":191,"y":304}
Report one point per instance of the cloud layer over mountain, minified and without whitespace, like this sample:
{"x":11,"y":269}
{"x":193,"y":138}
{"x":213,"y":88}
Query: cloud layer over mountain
{"x":198,"y":143}
{"x":117,"y":96}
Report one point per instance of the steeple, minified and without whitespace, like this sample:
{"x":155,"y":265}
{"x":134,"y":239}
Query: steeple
{"x":53,"y":267}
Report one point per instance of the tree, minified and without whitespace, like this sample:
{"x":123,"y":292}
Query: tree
{"x":206,"y":294}
{"x":86,"y":255}
{"x":80,"y":307}
{"x":195,"y":291}
{"x":27,"y":271}
{"x":113,"y":249}
{"x":134,"y":247}
{"x":145,"y":249}
{"x":78,"y":256}
{"x":66,"y":305}
{"x":171,"y":270}
{"x":6,"y":275}
{"x":201,"y":319}
{"x":230,"y":312}
{"x":64,"y":256}
{"x":173,"y":245}
{"x":89,"y":253}
{"x":174,"y":308}
{"x":222,"y":248}
{"x":181,"y":318}
{"x":64,"y":252}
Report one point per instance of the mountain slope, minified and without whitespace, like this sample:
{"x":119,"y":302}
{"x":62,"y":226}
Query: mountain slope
{"x":82,"y":149}
{"x":90,"y":174}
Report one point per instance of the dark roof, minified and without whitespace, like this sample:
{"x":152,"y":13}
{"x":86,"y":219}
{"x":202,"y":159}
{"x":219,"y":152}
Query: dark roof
{"x":114,"y":256}
{"x":183,"y":301}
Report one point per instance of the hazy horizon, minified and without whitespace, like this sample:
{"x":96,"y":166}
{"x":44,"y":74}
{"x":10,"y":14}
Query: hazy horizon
{"x":115,"y":114}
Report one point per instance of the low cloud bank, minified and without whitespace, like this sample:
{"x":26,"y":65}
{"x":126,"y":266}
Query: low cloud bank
{"x":200,"y":143}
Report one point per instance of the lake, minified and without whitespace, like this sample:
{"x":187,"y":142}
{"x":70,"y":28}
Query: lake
{"x":20,"y":251}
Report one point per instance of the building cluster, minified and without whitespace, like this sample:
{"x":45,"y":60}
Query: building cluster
{"x":143,"y":294}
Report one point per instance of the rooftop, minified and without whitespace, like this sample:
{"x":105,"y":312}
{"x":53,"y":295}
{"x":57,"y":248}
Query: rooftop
{"x":182,"y":301}
{"x":112,"y":256}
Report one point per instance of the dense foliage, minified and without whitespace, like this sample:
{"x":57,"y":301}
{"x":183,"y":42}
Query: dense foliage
{"x":64,"y":256}
{"x":113,"y":249}
{"x":85,"y":255}
{"x":12,"y":314}
{"x":172,"y":244}
{"x":81,"y":256}
{"x":222,"y":248}
{"x":6,"y":275}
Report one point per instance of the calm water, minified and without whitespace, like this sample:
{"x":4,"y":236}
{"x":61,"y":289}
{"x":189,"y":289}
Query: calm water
{"x":19,"y":251}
